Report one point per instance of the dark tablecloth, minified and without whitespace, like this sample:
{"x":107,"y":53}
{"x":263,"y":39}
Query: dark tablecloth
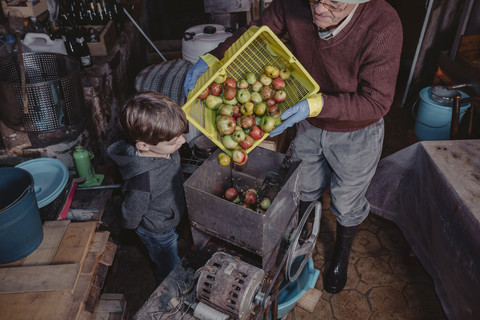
{"x":431,"y":190}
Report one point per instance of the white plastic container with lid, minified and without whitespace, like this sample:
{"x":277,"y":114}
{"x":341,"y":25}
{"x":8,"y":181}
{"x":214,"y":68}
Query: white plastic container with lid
{"x":41,"y":42}
{"x":201,"y":39}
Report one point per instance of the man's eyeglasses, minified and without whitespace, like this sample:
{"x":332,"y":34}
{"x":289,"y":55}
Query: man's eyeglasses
{"x":329,"y":7}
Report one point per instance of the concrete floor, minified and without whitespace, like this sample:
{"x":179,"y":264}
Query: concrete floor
{"x":385,"y":279}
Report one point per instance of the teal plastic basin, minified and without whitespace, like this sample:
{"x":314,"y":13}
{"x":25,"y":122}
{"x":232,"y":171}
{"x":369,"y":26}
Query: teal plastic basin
{"x":305,"y":281}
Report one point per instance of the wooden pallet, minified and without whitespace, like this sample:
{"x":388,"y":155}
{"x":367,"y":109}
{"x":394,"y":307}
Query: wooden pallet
{"x":63,"y":278}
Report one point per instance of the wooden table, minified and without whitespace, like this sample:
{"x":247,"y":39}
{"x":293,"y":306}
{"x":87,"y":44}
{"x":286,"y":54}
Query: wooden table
{"x":431,"y":190}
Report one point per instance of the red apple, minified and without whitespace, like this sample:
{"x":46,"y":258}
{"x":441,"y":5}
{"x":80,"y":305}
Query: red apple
{"x":215,"y":88}
{"x":274,"y":111}
{"x":267,"y":124}
{"x":251,"y":196}
{"x":257,"y":133}
{"x":279,"y":96}
{"x":247,"y":121}
{"x":239,"y":156}
{"x":230,"y":82}
{"x":231,"y":194}
{"x":266,"y":92}
{"x":270,"y":102}
{"x":226,"y":125}
{"x":247,"y":143}
{"x":236,"y":111}
{"x":278,"y":83}
{"x":229,"y":93}
{"x":204,"y":94}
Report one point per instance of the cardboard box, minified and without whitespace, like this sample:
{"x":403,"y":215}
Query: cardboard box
{"x":29,"y":10}
{"x":108,"y":37}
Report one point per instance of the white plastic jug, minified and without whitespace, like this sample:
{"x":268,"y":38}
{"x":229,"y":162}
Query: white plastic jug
{"x":200,"y":39}
{"x":41,"y":42}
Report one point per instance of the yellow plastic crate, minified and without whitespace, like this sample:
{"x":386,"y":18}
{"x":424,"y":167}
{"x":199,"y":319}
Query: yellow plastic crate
{"x":255,"y":49}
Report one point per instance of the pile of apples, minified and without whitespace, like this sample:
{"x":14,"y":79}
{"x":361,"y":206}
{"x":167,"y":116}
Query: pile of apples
{"x":246,"y":108}
{"x":248,"y":199}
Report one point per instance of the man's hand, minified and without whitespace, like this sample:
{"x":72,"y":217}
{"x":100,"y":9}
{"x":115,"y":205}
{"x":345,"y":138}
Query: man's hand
{"x":303,"y":109}
{"x":193,"y":74}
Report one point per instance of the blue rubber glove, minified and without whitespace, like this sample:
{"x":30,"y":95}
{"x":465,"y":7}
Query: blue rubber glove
{"x":296,"y":113}
{"x":193,"y":74}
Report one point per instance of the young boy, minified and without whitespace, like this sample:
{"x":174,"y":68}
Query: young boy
{"x":149,"y":164}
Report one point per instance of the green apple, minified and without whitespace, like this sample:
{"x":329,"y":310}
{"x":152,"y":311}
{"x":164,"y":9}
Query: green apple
{"x":230,"y":102}
{"x":238,"y":135}
{"x":220,"y":78}
{"x":272,"y":71}
{"x":268,"y":123}
{"x":228,"y":142}
{"x":242,"y":84}
{"x":260,"y":109}
{"x":226,"y":110}
{"x":251,"y":78}
{"x":278,"y":121}
{"x":257,"y":86}
{"x":265,"y":203}
{"x":226,"y":125}
{"x":256,"y":97}
{"x":247,"y":108}
{"x":243,"y":95}
{"x":285,"y":73}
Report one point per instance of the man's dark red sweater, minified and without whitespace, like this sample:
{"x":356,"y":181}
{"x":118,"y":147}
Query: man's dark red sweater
{"x":356,"y":70}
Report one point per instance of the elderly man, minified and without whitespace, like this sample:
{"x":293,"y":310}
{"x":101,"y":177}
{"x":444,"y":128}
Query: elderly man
{"x":352,"y":49}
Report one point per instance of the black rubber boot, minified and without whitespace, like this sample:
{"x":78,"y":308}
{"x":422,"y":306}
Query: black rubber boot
{"x":336,"y":276}
{"x":302,"y":208}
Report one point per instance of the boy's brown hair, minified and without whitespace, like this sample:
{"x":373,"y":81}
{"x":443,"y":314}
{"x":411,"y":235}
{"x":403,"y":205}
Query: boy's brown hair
{"x":152,"y":117}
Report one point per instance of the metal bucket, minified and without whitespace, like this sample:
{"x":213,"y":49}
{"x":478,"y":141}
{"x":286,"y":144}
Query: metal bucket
{"x":53,"y":87}
{"x":21,"y":229}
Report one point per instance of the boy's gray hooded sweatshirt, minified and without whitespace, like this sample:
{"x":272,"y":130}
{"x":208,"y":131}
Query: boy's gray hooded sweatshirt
{"x":152,"y":189}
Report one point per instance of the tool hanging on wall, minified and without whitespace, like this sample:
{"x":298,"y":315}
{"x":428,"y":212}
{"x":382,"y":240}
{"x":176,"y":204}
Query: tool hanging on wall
{"x":143,"y":33}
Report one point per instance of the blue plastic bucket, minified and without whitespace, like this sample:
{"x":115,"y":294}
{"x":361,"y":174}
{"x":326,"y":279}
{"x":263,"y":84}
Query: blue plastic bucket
{"x":433,"y":119}
{"x":305,"y":281}
{"x":21,"y":229}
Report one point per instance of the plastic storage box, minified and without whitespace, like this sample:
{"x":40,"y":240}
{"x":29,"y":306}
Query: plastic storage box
{"x":255,"y":49}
